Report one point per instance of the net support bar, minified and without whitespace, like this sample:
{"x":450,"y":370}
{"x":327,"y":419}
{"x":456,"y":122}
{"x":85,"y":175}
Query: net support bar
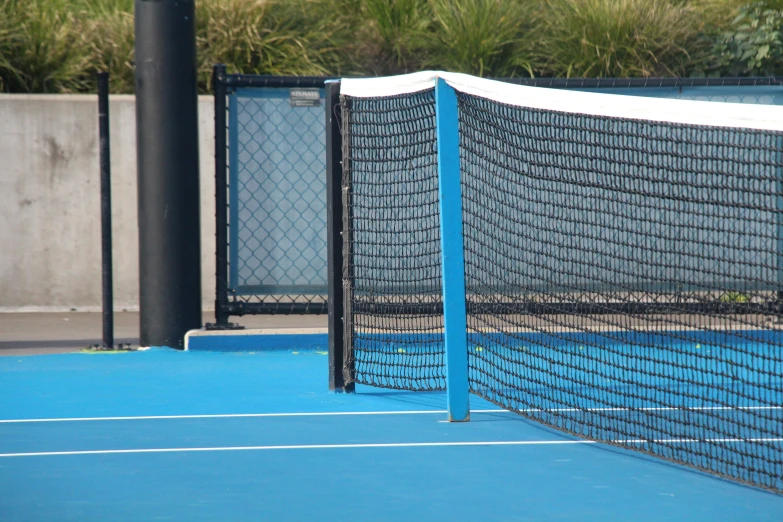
{"x":334,"y":243}
{"x":450,"y":197}
{"x":779,"y":231}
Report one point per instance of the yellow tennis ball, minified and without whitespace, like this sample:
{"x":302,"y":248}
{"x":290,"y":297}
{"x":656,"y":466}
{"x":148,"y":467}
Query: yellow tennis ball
{"x":400,"y":350}
{"x":479,"y":349}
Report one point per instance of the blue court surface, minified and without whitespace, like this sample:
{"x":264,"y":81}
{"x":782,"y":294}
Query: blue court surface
{"x":169,"y":435}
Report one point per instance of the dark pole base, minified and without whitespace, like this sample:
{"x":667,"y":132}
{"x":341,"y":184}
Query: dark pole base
{"x":168,"y":173}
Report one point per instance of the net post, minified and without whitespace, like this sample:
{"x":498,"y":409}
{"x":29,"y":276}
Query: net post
{"x":778,"y":308}
{"x":106,"y":232}
{"x":221,"y":211}
{"x":334,"y":239}
{"x":347,"y":269}
{"x":452,"y":255}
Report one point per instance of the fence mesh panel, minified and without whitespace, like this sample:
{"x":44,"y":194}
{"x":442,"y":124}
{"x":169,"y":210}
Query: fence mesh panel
{"x":277,"y":198}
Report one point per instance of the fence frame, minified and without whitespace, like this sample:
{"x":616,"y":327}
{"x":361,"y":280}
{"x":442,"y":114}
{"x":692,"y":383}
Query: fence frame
{"x":225,"y":84}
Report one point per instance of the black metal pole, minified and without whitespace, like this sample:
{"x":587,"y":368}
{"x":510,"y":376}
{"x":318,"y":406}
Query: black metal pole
{"x":106,"y":236}
{"x":334,"y":239}
{"x":221,"y":198}
{"x":168,"y":175}
{"x":779,"y":232}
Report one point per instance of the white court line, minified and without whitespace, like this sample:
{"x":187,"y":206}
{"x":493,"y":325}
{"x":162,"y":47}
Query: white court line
{"x":242,"y":415}
{"x":304,"y":446}
{"x":408,"y":412}
{"x":662,"y":408}
{"x":382,"y":445}
{"x":690,"y":441}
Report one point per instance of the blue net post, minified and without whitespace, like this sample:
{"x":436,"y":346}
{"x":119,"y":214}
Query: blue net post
{"x":453,"y":261}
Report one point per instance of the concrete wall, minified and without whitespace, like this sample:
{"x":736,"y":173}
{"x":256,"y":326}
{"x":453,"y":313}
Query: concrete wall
{"x":50,"y":203}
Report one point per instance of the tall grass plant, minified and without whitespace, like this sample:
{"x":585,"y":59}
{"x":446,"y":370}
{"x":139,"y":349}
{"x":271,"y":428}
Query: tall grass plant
{"x":395,"y":33}
{"x":481,"y":37}
{"x":276,"y":37}
{"x":107,"y":26}
{"x":42,"y":49}
{"x":619,"y":38}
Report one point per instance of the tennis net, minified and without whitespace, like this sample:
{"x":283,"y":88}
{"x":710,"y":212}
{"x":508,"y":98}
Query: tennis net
{"x":622,"y":259}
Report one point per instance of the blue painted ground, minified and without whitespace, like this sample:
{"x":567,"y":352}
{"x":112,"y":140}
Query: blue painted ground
{"x":551,"y":478}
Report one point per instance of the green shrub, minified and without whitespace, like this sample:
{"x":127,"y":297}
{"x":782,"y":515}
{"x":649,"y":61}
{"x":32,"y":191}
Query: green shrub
{"x":395,"y":33}
{"x":9,"y":41}
{"x":42,"y":51}
{"x":277,"y":37}
{"x":619,"y":38}
{"x":753,"y":43}
{"x":481,"y":37}
{"x":109,"y":30}
{"x":57,"y":45}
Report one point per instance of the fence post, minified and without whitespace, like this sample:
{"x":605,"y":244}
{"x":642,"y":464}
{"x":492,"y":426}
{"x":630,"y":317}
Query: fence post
{"x":221,"y":198}
{"x":107,"y":290}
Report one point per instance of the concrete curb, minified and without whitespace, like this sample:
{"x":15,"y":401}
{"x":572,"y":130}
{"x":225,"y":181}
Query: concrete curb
{"x":258,"y":340}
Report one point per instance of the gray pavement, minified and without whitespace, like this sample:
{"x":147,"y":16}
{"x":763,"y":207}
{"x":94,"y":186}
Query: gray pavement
{"x":46,"y":333}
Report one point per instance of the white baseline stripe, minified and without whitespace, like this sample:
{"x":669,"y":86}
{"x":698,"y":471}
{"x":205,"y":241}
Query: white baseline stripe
{"x":242,"y":415}
{"x":382,"y":445}
{"x":304,"y":446}
{"x":405,"y":412}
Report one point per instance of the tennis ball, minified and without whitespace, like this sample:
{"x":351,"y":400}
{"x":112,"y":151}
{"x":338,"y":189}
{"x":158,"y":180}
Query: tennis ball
{"x":698,"y":346}
{"x":400,"y":350}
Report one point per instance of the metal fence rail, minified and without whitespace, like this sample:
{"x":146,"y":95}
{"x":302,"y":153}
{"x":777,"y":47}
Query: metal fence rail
{"x":270,"y":176}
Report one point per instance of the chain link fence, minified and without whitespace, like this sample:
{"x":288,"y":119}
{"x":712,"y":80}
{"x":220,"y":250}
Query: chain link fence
{"x":270,"y":162}
{"x":278,"y":243}
{"x":270,"y":196}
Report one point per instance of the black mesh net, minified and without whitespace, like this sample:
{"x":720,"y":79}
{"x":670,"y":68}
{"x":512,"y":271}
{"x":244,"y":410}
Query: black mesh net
{"x":391,"y":237}
{"x":622,"y":277}
{"x":622,"y":281}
